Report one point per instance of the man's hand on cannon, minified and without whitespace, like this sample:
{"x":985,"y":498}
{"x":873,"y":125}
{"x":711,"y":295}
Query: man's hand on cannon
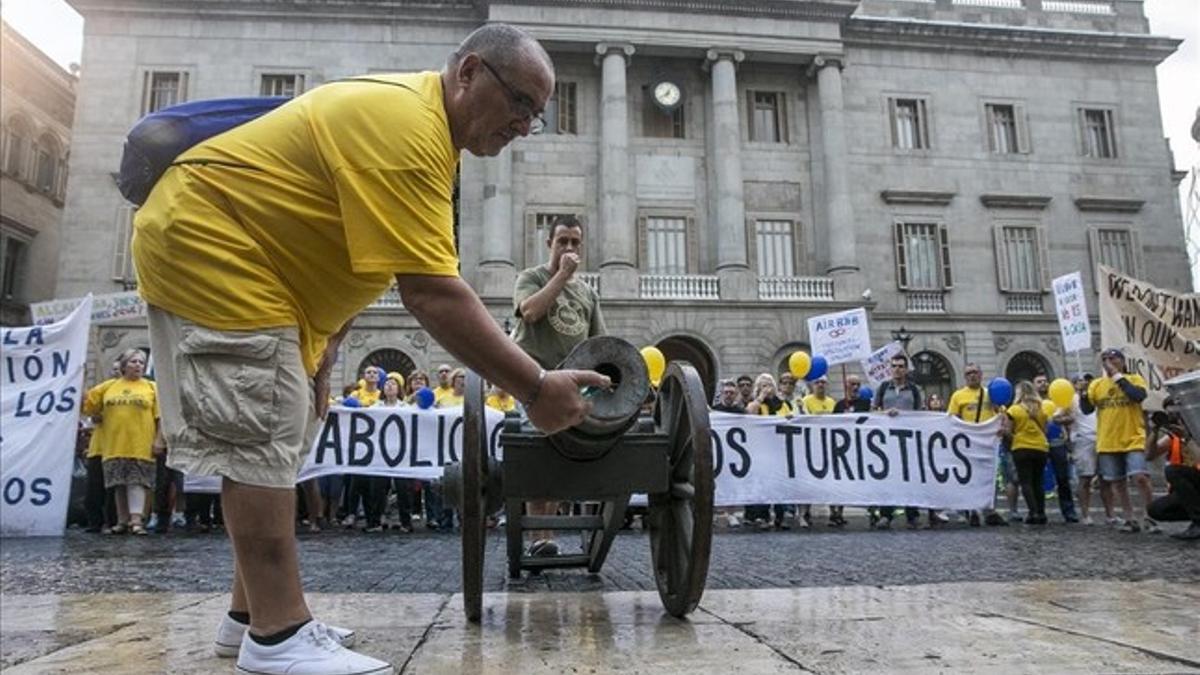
{"x":558,"y":404}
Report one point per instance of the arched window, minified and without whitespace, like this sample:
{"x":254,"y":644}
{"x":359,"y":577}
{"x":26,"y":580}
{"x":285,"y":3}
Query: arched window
{"x":390,"y":360}
{"x":46,"y":172}
{"x":685,"y":348}
{"x":16,"y":155}
{"x":933,"y":373}
{"x":1026,"y":366}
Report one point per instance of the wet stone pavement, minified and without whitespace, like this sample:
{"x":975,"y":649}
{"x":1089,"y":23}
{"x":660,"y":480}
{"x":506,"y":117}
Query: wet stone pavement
{"x":339,"y":561}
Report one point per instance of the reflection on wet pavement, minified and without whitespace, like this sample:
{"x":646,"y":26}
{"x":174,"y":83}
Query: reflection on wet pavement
{"x":1047,"y":626}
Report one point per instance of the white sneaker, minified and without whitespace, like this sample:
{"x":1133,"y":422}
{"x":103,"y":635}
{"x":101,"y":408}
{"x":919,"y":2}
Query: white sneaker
{"x":231,"y":632}
{"x":313,"y":650}
{"x":178,"y":520}
{"x":1087,"y":520}
{"x":733,"y":521}
{"x":1150,"y":526}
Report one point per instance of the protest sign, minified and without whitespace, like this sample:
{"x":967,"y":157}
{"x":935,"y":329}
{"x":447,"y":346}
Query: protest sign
{"x":105,"y":308}
{"x":42,"y":376}
{"x":1158,"y":329}
{"x":877,"y":366}
{"x":840,"y":337}
{"x":1071,"y":307}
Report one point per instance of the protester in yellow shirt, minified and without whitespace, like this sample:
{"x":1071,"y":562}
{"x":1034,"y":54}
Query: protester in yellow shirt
{"x":767,"y":402}
{"x":368,"y":392}
{"x":501,"y":400}
{"x":1121,"y":435}
{"x":1030,"y":448}
{"x":96,"y":500}
{"x":444,"y":387}
{"x":128,"y":426}
{"x":971,"y":403}
{"x":817,"y":403}
{"x":458,"y":388}
{"x":256,"y":249}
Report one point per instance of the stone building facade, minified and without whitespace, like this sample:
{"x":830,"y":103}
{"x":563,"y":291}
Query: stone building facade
{"x":739,"y":166}
{"x":37,"y":105}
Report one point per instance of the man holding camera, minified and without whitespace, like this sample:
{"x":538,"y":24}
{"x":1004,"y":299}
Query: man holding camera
{"x":1171,"y":437}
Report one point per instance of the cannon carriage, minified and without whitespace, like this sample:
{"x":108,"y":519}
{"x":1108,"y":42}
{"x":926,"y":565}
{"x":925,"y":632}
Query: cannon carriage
{"x":612,"y":455}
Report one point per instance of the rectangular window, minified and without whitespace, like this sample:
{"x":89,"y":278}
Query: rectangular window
{"x":922,"y":256}
{"x":767,"y":118}
{"x":666,"y":245}
{"x":281,"y":85}
{"x":46,"y":169}
{"x":14,"y":253}
{"x":162,"y":89}
{"x":1003,"y":126}
{"x":658,"y":123}
{"x":562,"y":110}
{"x":122,"y":269}
{"x":15,"y":161}
{"x":1115,"y":249}
{"x":910,"y":123}
{"x":1099,"y":133}
{"x":776,"y":248}
{"x":1020,"y":259}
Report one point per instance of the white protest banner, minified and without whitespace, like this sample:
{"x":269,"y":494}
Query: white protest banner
{"x":930,"y":460}
{"x":1071,"y":307}
{"x":39,"y":414}
{"x":105,"y":308}
{"x":397,"y":442}
{"x":877,"y":366}
{"x":840,"y":337}
{"x":1158,"y":329}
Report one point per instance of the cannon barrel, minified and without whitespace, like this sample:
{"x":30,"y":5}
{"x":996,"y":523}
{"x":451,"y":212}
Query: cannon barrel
{"x":613,"y":410}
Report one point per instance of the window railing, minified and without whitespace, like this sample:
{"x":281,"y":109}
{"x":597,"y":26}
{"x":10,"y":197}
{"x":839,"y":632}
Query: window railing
{"x":925,"y":302}
{"x":1078,"y":7}
{"x":1024,"y":303}
{"x":591,"y":279}
{"x":795,"y":288}
{"x":679,"y":287}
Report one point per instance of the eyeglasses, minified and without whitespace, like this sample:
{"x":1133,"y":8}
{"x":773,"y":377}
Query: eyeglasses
{"x":522,"y":104}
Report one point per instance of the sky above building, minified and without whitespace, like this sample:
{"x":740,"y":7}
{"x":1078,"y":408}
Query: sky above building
{"x":57,"y":30}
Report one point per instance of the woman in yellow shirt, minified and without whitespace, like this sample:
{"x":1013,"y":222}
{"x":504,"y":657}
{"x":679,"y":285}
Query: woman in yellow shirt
{"x":458,"y":388}
{"x":128,"y":427}
{"x":1030,"y":449}
{"x":767,"y":402}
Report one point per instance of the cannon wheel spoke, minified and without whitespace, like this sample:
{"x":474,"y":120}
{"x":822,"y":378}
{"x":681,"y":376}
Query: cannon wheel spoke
{"x":471,"y":509}
{"x":681,"y":518}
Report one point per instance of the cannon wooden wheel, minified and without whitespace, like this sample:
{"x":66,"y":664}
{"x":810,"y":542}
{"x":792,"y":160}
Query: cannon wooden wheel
{"x":681,"y":518}
{"x":472,"y":497}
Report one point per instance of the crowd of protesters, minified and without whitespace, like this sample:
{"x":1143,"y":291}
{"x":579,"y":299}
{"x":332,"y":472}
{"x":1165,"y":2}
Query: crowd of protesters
{"x":1102,"y":440}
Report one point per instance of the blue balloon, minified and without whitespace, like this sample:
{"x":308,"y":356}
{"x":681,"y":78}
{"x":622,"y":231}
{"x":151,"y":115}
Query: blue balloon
{"x":818,"y":368}
{"x":351,"y":402}
{"x":1000,"y":391}
{"x":865,"y":394}
{"x":382,"y":378}
{"x":425,"y":398}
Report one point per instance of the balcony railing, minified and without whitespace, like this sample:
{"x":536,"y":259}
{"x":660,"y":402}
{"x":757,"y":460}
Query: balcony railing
{"x":1023,"y":303}
{"x":925,"y":302}
{"x":591,"y":279}
{"x":1000,"y":4}
{"x":389,"y":300}
{"x":679,"y":287}
{"x":1078,"y":7}
{"x":795,"y":288}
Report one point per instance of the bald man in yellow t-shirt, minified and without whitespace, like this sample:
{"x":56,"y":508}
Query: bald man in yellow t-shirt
{"x":257,"y":248}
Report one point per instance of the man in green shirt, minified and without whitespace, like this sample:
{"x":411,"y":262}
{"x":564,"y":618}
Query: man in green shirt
{"x":557,"y":311}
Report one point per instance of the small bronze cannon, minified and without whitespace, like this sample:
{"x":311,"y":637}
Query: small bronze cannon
{"x":604,"y":460}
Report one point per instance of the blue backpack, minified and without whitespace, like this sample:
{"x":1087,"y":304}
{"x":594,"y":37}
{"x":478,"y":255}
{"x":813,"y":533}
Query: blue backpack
{"x":160,"y":137}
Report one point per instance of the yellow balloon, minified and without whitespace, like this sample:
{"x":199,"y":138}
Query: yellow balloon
{"x":1048,"y":407}
{"x":799,"y":363}
{"x":1062,"y":393}
{"x":656,"y":363}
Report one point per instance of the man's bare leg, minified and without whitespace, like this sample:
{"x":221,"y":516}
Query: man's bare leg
{"x":260,"y":524}
{"x":237,"y":594}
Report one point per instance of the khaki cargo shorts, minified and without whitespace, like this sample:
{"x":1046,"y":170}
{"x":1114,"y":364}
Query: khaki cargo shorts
{"x":236,"y":404}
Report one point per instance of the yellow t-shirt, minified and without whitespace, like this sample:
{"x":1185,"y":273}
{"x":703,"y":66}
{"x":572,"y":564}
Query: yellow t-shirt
{"x":367,"y":398}
{"x":440,"y":393}
{"x":964,"y":403}
{"x":449,"y":400}
{"x":1120,"y":424}
{"x":1029,"y":433}
{"x":93,"y":404}
{"x":506,"y":404}
{"x":305,"y":215}
{"x":817,"y":406}
{"x":129,"y":410}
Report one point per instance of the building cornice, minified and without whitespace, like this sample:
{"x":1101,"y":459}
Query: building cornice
{"x":1008,"y":201}
{"x":871,"y":31}
{"x":917,"y":197}
{"x":824,"y":10}
{"x":1109,"y":204}
{"x":373,"y":10}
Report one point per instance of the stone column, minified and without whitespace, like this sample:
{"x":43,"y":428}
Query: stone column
{"x":839,"y":227}
{"x":496,"y":270}
{"x":618,"y":225}
{"x":729,"y":221}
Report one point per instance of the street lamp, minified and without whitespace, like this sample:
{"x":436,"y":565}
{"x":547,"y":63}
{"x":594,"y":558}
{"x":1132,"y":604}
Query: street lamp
{"x":903,"y":337}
